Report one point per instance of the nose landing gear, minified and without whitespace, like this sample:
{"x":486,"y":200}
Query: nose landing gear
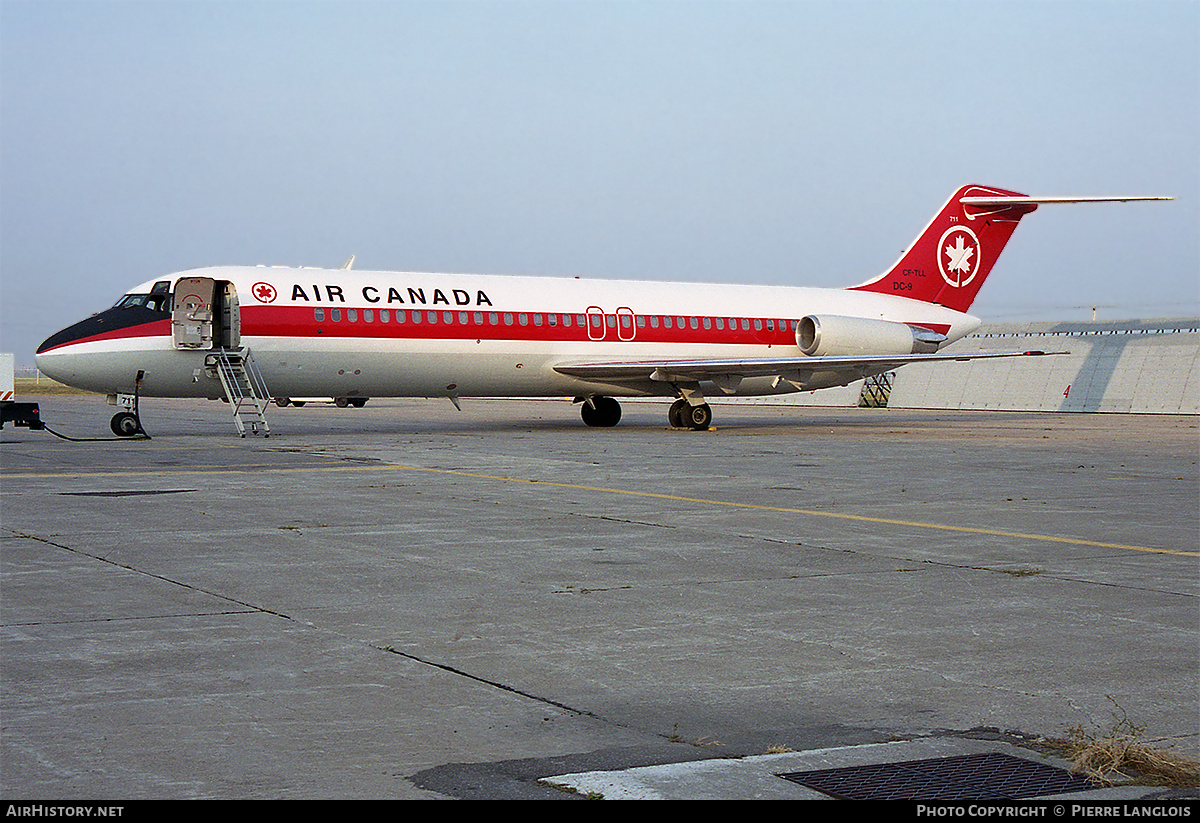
{"x":127,"y":423}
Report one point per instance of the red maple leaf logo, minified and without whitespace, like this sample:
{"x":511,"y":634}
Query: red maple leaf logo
{"x":264,"y":292}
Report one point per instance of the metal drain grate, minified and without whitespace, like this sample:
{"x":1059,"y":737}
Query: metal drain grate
{"x":990,"y":776}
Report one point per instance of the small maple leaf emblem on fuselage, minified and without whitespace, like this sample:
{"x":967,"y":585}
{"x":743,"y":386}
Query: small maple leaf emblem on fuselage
{"x":264,"y":292}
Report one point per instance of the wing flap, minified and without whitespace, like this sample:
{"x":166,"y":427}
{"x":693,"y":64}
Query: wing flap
{"x":728,"y":373}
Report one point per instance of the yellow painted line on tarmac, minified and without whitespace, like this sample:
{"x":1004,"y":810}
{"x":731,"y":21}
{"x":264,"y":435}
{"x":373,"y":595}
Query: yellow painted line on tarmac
{"x":916,"y":524}
{"x":815,"y":513}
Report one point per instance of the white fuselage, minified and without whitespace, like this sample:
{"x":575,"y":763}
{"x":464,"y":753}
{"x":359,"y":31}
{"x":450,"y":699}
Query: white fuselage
{"x":333,"y":332}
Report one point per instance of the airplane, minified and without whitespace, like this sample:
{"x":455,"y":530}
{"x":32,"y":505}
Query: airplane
{"x":358,"y":334}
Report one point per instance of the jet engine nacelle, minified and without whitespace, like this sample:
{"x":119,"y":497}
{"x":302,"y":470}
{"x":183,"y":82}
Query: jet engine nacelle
{"x":833,"y":336}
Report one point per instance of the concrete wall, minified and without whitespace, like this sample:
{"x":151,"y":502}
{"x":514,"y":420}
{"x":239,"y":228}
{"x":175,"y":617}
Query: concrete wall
{"x":1144,"y":366}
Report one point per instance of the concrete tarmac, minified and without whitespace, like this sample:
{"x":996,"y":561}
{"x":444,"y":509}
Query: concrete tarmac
{"x":408,"y":601}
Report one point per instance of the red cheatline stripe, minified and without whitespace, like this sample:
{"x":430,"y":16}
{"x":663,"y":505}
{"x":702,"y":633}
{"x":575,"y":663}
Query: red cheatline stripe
{"x":457,"y":324}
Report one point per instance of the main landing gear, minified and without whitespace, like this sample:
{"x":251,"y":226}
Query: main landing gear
{"x":600,"y":411}
{"x":683,"y":415}
{"x":605,"y":412}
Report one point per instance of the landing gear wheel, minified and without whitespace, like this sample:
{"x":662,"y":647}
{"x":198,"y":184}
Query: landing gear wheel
{"x":602,"y":411}
{"x":282,"y":402}
{"x":125,"y":424}
{"x":697,"y":418}
{"x":341,"y":402}
{"x":675,"y":414}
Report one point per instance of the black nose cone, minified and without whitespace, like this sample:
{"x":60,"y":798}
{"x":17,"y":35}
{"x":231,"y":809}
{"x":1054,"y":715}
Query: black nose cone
{"x":106,"y":323}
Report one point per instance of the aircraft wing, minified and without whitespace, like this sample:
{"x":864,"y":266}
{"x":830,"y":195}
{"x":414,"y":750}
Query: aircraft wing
{"x":728,"y":373}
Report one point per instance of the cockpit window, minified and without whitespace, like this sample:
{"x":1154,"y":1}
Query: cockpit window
{"x":131,"y":300}
{"x":159,"y":298}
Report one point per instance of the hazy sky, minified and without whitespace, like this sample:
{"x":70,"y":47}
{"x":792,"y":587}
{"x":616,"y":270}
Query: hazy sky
{"x":801,"y":143}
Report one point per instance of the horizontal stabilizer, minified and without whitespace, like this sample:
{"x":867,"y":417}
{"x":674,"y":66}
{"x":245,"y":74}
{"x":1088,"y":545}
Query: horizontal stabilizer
{"x":1021,"y":200}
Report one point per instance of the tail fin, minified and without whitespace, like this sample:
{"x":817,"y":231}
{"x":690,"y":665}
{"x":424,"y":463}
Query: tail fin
{"x":953,"y":256}
{"x":950,"y":260}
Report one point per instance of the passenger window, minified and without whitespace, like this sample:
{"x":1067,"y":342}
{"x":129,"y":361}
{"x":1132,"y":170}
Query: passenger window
{"x":319,"y":315}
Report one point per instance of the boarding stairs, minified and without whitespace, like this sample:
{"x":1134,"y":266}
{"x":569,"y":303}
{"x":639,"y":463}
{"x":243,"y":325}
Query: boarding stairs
{"x":245,"y":390}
